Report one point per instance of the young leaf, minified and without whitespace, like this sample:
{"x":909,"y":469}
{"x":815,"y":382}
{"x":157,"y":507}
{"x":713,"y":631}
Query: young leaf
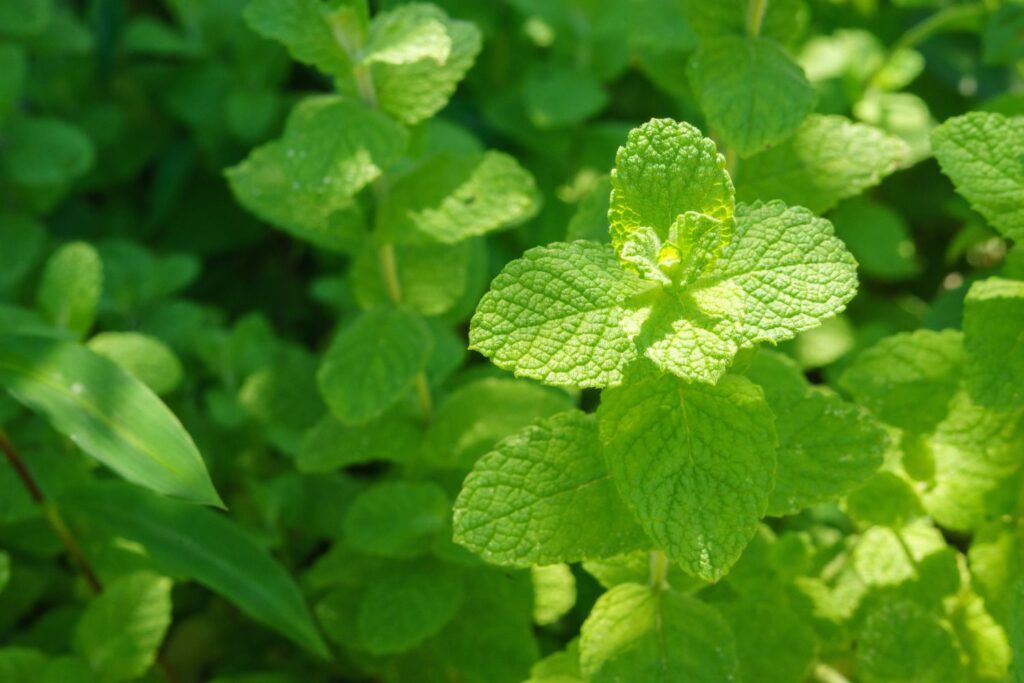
{"x":187,"y":541}
{"x":554,"y":592}
{"x":908,"y":379}
{"x":304,"y":27}
{"x":109,"y":414}
{"x":372,"y":363}
{"x":69,"y":292}
{"x":695,"y":462}
{"x":559,"y":315}
{"x":981,"y":153}
{"x":665,"y":169}
{"x":993,"y":334}
{"x":635,"y":634}
{"x":120,"y":631}
{"x":450,"y":198}
{"x":305,"y":181}
{"x":826,"y":160}
{"x":751,"y":91}
{"x":145,"y":357}
{"x":407,"y":34}
{"x":545,"y":496}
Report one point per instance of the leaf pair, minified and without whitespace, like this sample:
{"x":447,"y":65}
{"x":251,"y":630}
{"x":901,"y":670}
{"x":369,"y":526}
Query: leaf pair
{"x":696,"y":279}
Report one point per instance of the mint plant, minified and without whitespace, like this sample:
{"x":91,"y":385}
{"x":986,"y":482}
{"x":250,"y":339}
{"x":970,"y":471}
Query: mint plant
{"x":385,"y":341}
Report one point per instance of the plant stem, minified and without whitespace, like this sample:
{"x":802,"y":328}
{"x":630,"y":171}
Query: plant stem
{"x":659,"y":566}
{"x":389,"y":271}
{"x":755,"y":17}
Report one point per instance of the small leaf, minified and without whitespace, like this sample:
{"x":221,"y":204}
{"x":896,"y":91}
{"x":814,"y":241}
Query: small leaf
{"x":406,"y":35}
{"x":108,"y":413}
{"x":120,"y":631}
{"x":145,"y":357}
{"x":70,"y":289}
{"x":993,"y":334}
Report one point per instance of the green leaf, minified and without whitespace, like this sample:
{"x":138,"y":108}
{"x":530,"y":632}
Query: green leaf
{"x":5,"y":570}
{"x":878,"y":238}
{"x":431,"y":277}
{"x":45,"y":153}
{"x":305,"y":182}
{"x":884,"y":500}
{"x":559,"y":315}
{"x":187,"y":541}
{"x":826,"y":160}
{"x":407,"y":34}
{"x":303,"y":26}
{"x":981,"y":152}
{"x":635,"y":634}
{"x":23,"y":238}
{"x":908,"y":379}
{"x":145,"y":357}
{"x":24,"y":18}
{"x":557,"y":96}
{"x":665,"y":169}
{"x":120,"y":631}
{"x":826,"y":445}
{"x":468,"y":425}
{"x":397,"y":519}
{"x":784,"y":20}
{"x":414,"y":91}
{"x":406,"y":606}
{"x":13,"y":67}
{"x":695,"y":462}
{"x":450,"y":198}
{"x":554,"y":592}
{"x":331,"y":445}
{"x":774,"y":643}
{"x":993,"y":337}
{"x":543,"y":496}
{"x":751,"y":91}
{"x":372,"y":363}
{"x":70,"y":288}
{"x":107,"y":413}
{"x":792,"y":269}
{"x":1015,"y":631}
{"x":901,"y":643}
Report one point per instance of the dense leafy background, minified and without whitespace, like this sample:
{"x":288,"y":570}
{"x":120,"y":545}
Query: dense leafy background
{"x":239,"y":256}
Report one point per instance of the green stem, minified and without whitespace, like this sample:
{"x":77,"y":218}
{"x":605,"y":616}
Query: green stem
{"x":755,"y":17}
{"x":389,"y":271}
{"x":659,"y":566}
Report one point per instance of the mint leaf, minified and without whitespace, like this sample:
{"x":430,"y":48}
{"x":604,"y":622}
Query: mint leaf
{"x":332,"y":445}
{"x":431,"y":277}
{"x":304,"y":28}
{"x":792,"y":269}
{"x":557,"y":96}
{"x":666,"y":168}
{"x":120,"y":631}
{"x":554,"y":592}
{"x":826,"y":445}
{"x":695,"y":462}
{"x":751,"y":91}
{"x":784,"y":20}
{"x":774,"y":643}
{"x":908,"y":379}
{"x":901,"y":642}
{"x":826,"y":160}
{"x":981,"y":153}
{"x":372,"y":363}
{"x":148,"y":358}
{"x":450,"y":198}
{"x":559,"y":314}
{"x":69,"y":291}
{"x":544,"y":495}
{"x":407,"y":34}
{"x":416,"y":90}
{"x":1015,"y":631}
{"x":467,"y":426}
{"x":994,"y":339}
{"x":636,"y":634}
{"x":878,"y":238}
{"x":398,"y":519}
{"x":304,"y":182}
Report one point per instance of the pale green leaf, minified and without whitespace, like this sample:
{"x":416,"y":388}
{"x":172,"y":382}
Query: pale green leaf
{"x":70,"y":288}
{"x":305,"y":181}
{"x":558,"y":314}
{"x":120,"y":631}
{"x":407,"y":34}
{"x":476,"y":416}
{"x":397,"y":518}
{"x":695,"y":462}
{"x":147,"y":358}
{"x":886,"y":499}
{"x":545,"y":496}
{"x":109,"y":414}
{"x":908,"y":379}
{"x":635,"y":634}
{"x":406,"y":606}
{"x":303,"y":27}
{"x":901,"y":643}
{"x":751,"y":91}
{"x":451,"y":197}
{"x":826,"y":160}
{"x":187,"y":541}
{"x":994,"y":339}
{"x":1015,"y":631}
{"x":372,"y":363}
{"x":665,"y":169}
{"x":981,"y":152}
{"x":554,"y":592}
